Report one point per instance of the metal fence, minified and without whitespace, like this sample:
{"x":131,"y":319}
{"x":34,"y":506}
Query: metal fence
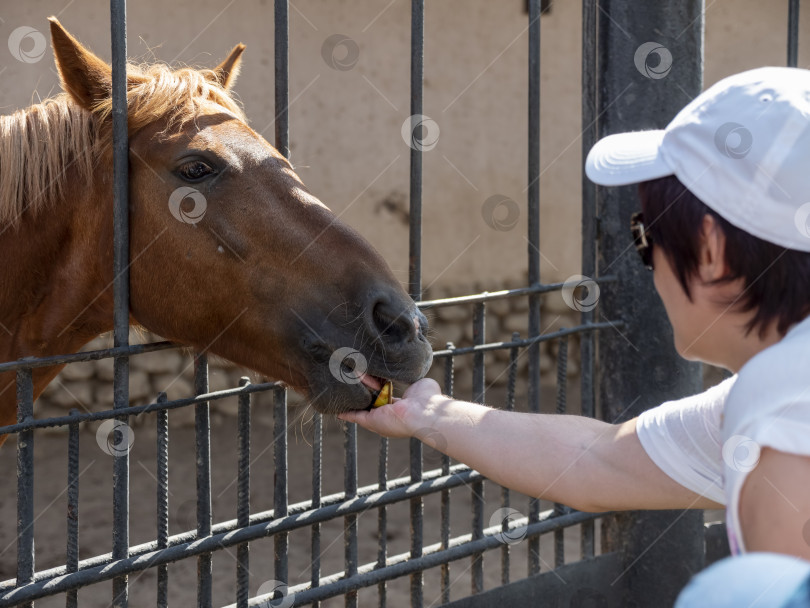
{"x":209,"y":536}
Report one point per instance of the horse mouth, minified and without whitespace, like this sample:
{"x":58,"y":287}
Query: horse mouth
{"x":338,"y":381}
{"x":374,"y":385}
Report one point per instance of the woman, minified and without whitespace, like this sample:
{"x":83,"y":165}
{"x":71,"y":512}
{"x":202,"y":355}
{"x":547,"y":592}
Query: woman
{"x":725,"y":200}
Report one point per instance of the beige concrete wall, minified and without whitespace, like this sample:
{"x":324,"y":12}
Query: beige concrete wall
{"x":345,"y":124}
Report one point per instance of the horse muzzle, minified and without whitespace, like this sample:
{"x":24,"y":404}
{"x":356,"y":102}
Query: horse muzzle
{"x":343,"y":378}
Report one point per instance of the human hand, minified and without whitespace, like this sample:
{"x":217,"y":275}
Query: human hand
{"x":403,"y":416}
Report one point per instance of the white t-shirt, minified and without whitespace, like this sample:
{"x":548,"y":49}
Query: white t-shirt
{"x":711,"y":441}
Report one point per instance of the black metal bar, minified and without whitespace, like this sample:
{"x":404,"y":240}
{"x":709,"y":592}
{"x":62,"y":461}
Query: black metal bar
{"x":488,"y":296}
{"x":280,"y":501}
{"x":136,"y":410}
{"x":402,"y":564}
{"x":511,"y":381}
{"x":202,"y":431}
{"x":256,"y":388}
{"x":382,"y":518}
{"x":533,"y":238}
{"x":589,"y":233}
{"x":282,"y":59}
{"x":449,"y":370}
{"x":793,"y":33}
{"x":25,"y":481}
{"x":138,"y":349}
{"x":505,"y":494}
{"x":562,"y":379}
{"x":417,"y":78}
{"x":445,"y":497}
{"x":461,"y":547}
{"x":477,"y":488}
{"x":243,"y":496}
{"x":282,"y":124}
{"x":432,"y":482}
{"x":118,"y":27}
{"x":350,"y":521}
{"x":72,"y":527}
{"x":90,"y":355}
{"x":416,"y":522}
{"x":162,"y":421}
{"x":226,"y":534}
{"x":415,"y":266}
{"x":242,"y":527}
{"x":651,"y":541}
{"x":479,"y":338}
{"x":317,"y":460}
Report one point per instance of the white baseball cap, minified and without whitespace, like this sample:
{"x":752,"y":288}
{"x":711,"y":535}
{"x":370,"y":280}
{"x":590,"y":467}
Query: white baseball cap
{"x":742,"y":147}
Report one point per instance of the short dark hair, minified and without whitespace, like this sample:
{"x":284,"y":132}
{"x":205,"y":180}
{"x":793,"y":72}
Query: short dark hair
{"x":777,"y":279}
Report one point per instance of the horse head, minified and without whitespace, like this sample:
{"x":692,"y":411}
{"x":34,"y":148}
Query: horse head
{"x":229,"y":250}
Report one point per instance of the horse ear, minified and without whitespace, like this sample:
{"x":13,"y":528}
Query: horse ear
{"x":227,"y":71}
{"x":85,"y":77}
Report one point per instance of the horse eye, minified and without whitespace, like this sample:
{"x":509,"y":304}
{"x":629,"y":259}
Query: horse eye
{"x":195,"y":170}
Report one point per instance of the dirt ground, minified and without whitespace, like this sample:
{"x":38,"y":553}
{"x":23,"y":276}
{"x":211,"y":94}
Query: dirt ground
{"x":95,"y":514}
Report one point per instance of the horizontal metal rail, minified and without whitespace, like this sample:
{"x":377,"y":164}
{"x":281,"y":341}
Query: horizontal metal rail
{"x":528,"y":341}
{"x":135,"y":410}
{"x":139,"y":349}
{"x":486,"y":296}
{"x":90,"y":355}
{"x":226,"y":534}
{"x":255,"y":388}
{"x":432,"y":555}
{"x":459,"y":474}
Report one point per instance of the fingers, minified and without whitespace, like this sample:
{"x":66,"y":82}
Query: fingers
{"x":382,"y":420}
{"x":353,"y":416}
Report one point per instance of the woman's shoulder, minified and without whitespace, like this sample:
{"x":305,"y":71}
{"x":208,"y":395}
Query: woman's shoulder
{"x":777,"y":377}
{"x":787,"y":361}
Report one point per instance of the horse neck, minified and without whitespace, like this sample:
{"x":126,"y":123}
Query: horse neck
{"x":54,"y":279}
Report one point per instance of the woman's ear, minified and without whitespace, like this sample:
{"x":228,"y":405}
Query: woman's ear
{"x":712,"y":256}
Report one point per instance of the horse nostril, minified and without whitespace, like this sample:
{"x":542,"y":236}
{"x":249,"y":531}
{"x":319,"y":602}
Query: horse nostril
{"x":391,"y":323}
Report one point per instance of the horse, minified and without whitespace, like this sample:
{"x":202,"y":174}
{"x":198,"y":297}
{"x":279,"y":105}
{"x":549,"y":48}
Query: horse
{"x":230,"y":253}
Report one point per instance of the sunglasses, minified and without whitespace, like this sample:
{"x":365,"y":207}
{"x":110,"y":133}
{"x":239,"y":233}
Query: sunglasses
{"x":642,"y":239}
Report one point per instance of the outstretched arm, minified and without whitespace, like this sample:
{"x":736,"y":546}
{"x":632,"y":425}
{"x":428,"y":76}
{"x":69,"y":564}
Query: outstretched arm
{"x":584,"y":463}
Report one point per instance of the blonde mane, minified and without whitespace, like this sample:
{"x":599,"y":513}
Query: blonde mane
{"x":38,"y":145}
